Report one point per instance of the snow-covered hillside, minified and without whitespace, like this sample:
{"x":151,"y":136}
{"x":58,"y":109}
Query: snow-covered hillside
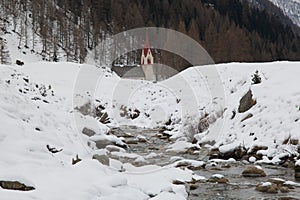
{"x":37,"y":115}
{"x":38,"y":118}
{"x":291,"y":8}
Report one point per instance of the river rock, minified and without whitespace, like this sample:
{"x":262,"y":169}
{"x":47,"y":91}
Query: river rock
{"x":112,"y":148}
{"x":254,"y":171}
{"x":115,"y":131}
{"x":88,"y":132}
{"x":267,"y":187}
{"x":103,"y":159}
{"x":277,"y":181}
{"x":131,"y":141}
{"x":284,"y":189}
{"x":141,"y":139}
{"x":15,"y":185}
{"x":104,"y":119}
{"x":256,"y":148}
{"x":192,"y":151}
{"x":213,"y":153}
{"x":178,"y":182}
{"x":102,"y":143}
{"x":236,"y":153}
{"x":193,"y":187}
{"x":217,"y":178}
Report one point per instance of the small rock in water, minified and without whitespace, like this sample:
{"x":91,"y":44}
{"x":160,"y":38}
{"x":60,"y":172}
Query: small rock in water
{"x":267,"y":187}
{"x":193,"y":187}
{"x":254,"y":171}
{"x":214,"y":153}
{"x":284,"y":189}
{"x":218,"y":178}
{"x":273,"y":185}
{"x":142,"y":139}
{"x":131,"y":141}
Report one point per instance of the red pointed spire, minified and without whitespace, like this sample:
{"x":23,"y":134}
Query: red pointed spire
{"x":147,"y":44}
{"x":147,"y":57}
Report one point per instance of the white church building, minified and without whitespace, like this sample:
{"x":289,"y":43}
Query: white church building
{"x":144,"y":71}
{"x":147,"y":61}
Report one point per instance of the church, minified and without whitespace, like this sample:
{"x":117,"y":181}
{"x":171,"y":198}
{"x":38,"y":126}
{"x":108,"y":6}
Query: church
{"x":147,"y":61}
{"x":144,"y":71}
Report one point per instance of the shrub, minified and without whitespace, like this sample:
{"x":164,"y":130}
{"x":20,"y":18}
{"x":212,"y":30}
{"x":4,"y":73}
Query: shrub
{"x":256,"y":79}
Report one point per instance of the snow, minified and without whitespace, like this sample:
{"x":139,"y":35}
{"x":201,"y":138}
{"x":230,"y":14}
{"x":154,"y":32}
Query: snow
{"x":297,"y":163}
{"x":216,"y":160}
{"x":167,"y":196}
{"x":199,"y":178}
{"x":194,"y":163}
{"x":252,"y":159}
{"x":266,"y":184}
{"x":269,"y":114}
{"x":291,"y":183}
{"x":24,"y":154}
{"x":275,"y":114}
{"x":30,"y":121}
{"x":218,"y":176}
{"x":151,"y":155}
{"x":278,"y":179}
{"x":258,"y":167}
{"x":37,"y":109}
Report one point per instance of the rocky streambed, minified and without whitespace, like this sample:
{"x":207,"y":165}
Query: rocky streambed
{"x":218,"y":178}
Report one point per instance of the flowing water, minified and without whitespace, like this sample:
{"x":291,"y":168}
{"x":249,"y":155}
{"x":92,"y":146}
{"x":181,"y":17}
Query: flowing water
{"x":155,"y":143}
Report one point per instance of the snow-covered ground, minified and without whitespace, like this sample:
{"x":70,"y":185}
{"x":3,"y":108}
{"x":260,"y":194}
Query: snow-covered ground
{"x":33,"y":117}
{"x":37,"y":110}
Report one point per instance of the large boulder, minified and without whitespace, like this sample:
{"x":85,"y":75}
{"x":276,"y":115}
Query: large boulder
{"x":237,"y":153}
{"x":246,"y":102}
{"x":267,"y":187}
{"x":15,"y":185}
{"x":254,"y":171}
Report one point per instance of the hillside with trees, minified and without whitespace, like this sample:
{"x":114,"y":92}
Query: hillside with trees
{"x":231,"y":30}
